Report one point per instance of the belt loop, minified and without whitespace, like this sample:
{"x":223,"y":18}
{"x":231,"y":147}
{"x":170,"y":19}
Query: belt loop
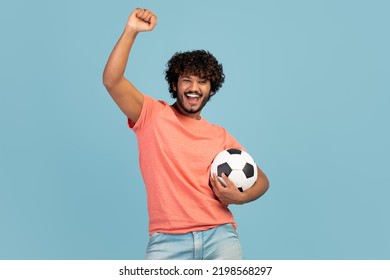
{"x":198,"y":245}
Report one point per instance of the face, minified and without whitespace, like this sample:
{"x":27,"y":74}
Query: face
{"x":193,"y":93}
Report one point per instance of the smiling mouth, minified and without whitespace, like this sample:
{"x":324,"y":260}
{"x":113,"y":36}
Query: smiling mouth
{"x":192,"y":97}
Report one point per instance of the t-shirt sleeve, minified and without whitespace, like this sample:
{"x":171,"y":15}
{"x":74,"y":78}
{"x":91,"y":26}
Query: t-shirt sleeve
{"x":231,"y":142}
{"x":150,"y":110}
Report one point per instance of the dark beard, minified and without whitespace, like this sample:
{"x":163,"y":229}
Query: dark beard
{"x":180,"y":103}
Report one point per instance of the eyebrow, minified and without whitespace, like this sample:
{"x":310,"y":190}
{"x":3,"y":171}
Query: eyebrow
{"x":189,"y":77}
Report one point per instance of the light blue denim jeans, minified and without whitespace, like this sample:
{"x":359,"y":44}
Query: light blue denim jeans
{"x":219,"y":243}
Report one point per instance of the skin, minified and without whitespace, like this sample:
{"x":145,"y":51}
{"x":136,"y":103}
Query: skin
{"x":187,"y":87}
{"x":128,"y":98}
{"x":193,"y":94}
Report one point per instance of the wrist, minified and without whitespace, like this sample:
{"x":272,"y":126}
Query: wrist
{"x":131,"y":31}
{"x":249,"y":195}
{"x":242,"y":198}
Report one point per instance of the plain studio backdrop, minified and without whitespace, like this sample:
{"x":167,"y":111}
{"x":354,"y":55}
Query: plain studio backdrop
{"x":306,"y":92}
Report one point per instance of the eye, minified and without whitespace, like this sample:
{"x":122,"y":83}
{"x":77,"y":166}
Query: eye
{"x":203,"y":82}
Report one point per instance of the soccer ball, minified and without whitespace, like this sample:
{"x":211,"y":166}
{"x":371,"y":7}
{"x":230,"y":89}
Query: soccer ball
{"x":237,"y":165}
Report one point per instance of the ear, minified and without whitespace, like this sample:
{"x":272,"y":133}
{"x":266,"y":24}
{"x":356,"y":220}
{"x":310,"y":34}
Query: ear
{"x":212,"y":93}
{"x":174,"y":87}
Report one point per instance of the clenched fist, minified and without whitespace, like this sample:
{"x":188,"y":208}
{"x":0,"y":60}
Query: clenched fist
{"x":142,"y":20}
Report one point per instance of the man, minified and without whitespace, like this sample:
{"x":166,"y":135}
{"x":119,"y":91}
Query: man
{"x":188,"y":213}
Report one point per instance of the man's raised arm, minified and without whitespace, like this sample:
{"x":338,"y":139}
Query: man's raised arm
{"x":124,"y":93}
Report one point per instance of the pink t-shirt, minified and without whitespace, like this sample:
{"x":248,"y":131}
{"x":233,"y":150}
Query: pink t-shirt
{"x":175,"y":154}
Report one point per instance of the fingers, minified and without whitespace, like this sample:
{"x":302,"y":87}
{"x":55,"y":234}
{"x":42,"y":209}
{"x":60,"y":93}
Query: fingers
{"x":227,"y":181}
{"x":228,"y":194}
{"x":215,"y":181}
{"x":146,"y":15}
{"x":217,"y":188}
{"x":153,"y":21}
{"x":142,"y":20}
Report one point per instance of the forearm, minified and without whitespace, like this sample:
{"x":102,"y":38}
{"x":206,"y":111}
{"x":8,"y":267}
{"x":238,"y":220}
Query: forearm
{"x":117,"y":62}
{"x":230,"y":194}
{"x":257,"y":190}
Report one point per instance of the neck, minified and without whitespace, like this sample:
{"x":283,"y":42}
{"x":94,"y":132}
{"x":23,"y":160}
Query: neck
{"x":195,"y":115}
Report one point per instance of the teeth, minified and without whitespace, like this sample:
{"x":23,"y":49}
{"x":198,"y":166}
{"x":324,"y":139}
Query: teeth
{"x":193,"y":95}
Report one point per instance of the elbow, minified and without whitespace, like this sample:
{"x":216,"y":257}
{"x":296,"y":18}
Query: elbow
{"x":263,"y":180}
{"x":266,"y":184}
{"x":108,"y":82}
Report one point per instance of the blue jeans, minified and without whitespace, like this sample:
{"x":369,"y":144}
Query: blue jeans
{"x":219,"y":243}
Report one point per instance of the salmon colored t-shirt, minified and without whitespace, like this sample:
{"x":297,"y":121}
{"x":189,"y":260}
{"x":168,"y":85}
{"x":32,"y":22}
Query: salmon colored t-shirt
{"x":175,"y":154}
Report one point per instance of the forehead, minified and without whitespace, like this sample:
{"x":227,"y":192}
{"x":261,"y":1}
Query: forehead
{"x":192,"y":70}
{"x":192,"y":77}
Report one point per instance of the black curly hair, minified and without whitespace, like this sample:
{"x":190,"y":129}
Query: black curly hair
{"x":200,"y":63}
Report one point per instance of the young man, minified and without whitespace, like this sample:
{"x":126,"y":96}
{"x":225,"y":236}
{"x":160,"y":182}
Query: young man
{"x":188,"y":213}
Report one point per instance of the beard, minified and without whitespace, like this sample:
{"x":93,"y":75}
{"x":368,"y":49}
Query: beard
{"x":190,"y":109}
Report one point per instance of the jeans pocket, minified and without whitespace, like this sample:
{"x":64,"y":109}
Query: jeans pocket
{"x":154,"y":236}
{"x":233,"y":230}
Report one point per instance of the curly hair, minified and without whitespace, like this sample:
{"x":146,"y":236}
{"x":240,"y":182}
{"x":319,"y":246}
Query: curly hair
{"x":200,"y":63}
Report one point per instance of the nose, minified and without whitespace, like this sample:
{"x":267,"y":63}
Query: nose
{"x":194,"y":86}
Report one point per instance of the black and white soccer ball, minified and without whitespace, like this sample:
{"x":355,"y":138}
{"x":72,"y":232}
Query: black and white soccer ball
{"x":237,"y":165}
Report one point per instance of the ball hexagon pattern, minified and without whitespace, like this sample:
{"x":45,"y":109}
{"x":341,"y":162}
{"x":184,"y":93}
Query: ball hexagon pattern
{"x":237,"y":165}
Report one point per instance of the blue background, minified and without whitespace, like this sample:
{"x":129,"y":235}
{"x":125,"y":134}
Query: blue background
{"x":306,"y":92}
